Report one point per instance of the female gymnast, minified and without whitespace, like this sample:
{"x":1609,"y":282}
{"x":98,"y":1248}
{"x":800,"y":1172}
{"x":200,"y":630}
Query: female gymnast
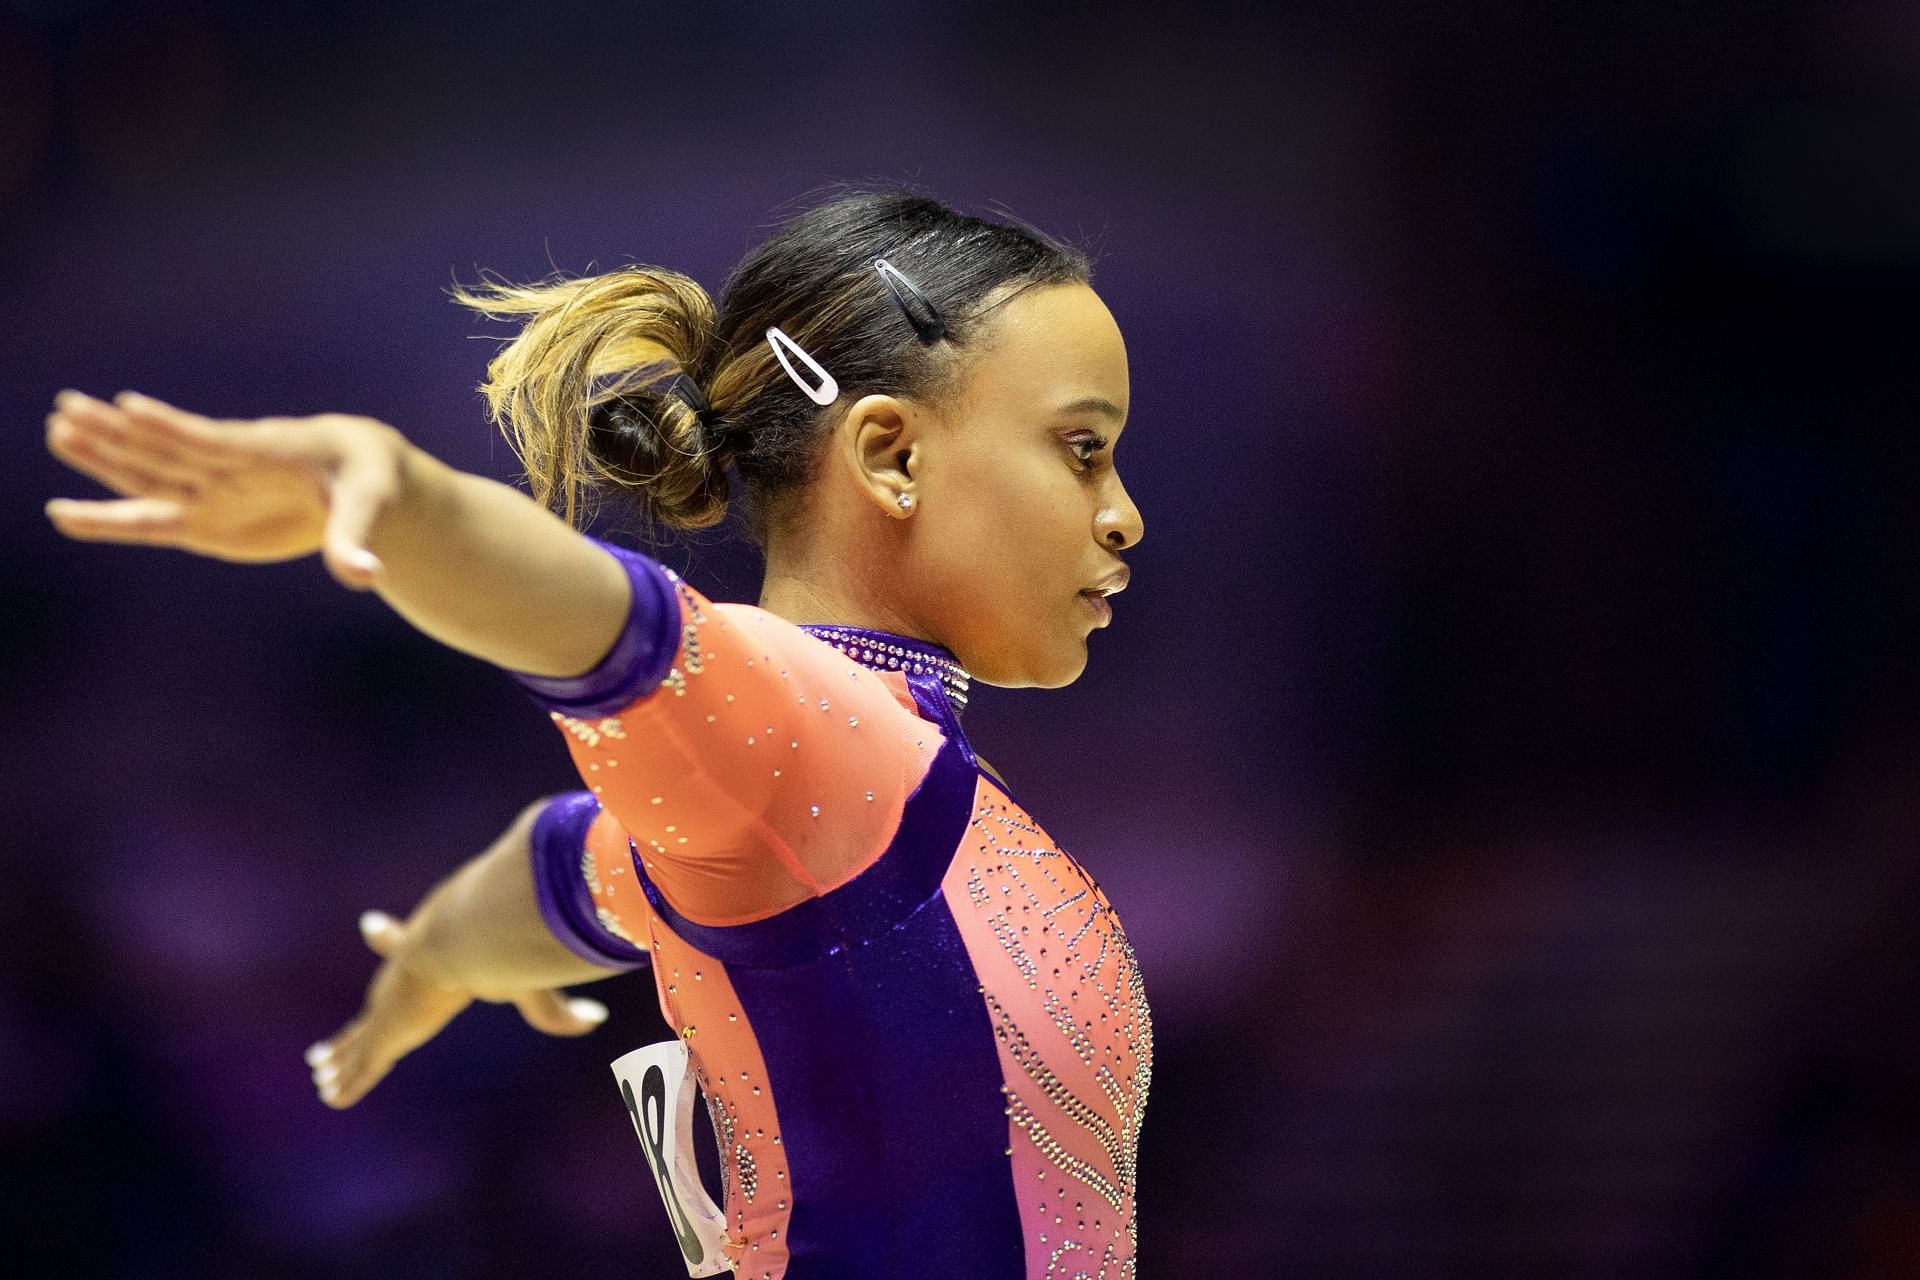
{"x":918,"y":1025}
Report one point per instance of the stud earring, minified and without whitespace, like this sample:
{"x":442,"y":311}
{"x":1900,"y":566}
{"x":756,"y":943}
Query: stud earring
{"x":906,"y":502}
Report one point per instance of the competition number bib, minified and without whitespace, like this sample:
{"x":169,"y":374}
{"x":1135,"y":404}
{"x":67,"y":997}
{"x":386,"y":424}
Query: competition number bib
{"x":658,"y":1090}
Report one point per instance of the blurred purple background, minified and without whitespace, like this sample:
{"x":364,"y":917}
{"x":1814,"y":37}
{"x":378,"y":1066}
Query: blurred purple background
{"x":1505,"y":762}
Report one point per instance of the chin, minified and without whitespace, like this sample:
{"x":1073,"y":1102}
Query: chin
{"x":1053,"y":671}
{"x":1072,"y":670}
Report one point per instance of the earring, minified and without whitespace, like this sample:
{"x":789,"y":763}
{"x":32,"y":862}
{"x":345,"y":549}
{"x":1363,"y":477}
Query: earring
{"x":906,"y":502}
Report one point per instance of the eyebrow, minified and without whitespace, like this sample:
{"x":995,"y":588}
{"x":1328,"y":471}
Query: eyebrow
{"x":1098,"y":404}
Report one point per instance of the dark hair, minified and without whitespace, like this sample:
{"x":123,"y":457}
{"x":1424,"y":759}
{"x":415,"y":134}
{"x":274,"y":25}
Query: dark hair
{"x":584,"y":392}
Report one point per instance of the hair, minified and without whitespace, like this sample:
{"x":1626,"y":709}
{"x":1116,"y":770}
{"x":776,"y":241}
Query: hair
{"x":585,"y":391}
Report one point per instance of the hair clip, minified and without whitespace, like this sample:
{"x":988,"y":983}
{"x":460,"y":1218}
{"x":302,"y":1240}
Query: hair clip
{"x":930,"y":326}
{"x":688,"y":392}
{"x":827,"y":392}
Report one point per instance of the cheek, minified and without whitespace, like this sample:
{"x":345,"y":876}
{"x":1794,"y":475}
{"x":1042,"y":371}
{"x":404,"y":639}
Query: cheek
{"x":1005,"y":535}
{"x":1027,"y":527}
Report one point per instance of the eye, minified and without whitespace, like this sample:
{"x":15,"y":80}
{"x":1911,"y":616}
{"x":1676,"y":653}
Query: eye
{"x":1093,"y":444}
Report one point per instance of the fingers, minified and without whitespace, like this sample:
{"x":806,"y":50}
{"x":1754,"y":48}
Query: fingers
{"x":343,"y":1068}
{"x":557,"y":1014}
{"x":326,"y":1072}
{"x":401,"y":1013}
{"x":160,"y":427}
{"x":158,"y":432}
{"x":393,"y":1024}
{"x":155,"y":521}
{"x":94,"y":439}
{"x":347,"y":1066}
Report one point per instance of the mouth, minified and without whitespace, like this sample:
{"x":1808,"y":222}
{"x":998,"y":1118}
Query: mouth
{"x":1096,"y":600}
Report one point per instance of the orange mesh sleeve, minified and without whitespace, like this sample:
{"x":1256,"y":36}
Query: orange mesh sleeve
{"x":754,"y":767}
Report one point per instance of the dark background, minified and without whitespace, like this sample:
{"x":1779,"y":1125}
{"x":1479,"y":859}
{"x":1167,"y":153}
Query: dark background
{"x":1505,"y":761}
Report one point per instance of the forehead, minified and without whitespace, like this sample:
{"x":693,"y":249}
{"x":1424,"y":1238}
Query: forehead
{"x":1047,"y":347}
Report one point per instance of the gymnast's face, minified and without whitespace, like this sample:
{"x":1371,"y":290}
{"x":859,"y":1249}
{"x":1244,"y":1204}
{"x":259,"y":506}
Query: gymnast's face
{"x":1018,"y":509}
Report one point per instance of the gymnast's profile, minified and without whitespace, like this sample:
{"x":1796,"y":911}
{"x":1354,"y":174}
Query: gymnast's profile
{"x":920,"y":1031}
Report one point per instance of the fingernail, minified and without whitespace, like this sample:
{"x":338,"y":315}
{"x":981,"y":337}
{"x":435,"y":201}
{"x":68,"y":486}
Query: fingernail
{"x":318,"y":1052}
{"x":371,"y":922}
{"x":329,"y":1091}
{"x":324,"y":1074}
{"x":587,"y":1010}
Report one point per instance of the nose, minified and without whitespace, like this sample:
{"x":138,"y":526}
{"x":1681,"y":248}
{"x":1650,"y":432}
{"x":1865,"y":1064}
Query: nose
{"x":1119,"y":525}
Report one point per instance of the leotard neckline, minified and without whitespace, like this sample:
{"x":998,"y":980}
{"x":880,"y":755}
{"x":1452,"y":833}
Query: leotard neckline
{"x":890,"y":651}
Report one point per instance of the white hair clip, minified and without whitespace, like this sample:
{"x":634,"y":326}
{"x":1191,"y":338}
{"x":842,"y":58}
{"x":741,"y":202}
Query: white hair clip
{"x":827,"y":392}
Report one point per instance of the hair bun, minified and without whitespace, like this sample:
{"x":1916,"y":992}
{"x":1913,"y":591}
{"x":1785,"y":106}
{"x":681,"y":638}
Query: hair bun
{"x":622,"y":434}
{"x":647,"y":434}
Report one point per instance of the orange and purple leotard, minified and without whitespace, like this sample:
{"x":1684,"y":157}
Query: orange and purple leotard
{"x":919,"y":1026}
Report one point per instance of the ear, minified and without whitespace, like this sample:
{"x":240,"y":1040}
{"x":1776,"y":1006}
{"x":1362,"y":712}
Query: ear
{"x":882,"y":439}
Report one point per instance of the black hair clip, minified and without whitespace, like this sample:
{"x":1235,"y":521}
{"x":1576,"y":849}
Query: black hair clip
{"x":688,"y":392}
{"x":926,"y":321}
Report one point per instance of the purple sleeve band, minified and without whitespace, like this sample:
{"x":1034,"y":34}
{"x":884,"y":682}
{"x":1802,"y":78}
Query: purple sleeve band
{"x":559,"y":886}
{"x":641,"y":655}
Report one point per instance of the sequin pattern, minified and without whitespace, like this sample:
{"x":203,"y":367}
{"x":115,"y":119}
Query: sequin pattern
{"x":697,"y":996}
{"x":690,"y":654}
{"x":1074,"y":1033}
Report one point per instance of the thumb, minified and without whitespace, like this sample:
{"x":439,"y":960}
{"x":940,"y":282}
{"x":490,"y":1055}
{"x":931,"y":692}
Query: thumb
{"x":382,"y":932}
{"x":361,"y":487}
{"x":558,"y":1014}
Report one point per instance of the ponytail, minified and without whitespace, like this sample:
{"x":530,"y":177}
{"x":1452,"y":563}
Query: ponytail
{"x":582,"y":393}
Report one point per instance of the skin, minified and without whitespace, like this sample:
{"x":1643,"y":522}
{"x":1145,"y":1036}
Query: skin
{"x":1015,"y":513}
{"x":1011,"y":521}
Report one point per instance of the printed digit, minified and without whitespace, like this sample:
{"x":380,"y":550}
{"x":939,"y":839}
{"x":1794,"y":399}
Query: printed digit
{"x":650,"y":1121}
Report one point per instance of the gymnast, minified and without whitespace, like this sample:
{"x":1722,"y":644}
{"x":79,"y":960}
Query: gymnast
{"x":919,"y":1028}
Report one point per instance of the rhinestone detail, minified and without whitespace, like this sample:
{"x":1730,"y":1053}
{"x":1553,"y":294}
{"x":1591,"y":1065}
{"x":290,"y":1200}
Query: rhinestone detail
{"x":884,"y":650}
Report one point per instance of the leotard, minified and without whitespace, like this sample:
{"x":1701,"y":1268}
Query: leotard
{"x":920,"y":1029}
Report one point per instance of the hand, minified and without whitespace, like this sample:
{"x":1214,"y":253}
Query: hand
{"x":242,"y":490}
{"x":404,"y":1010}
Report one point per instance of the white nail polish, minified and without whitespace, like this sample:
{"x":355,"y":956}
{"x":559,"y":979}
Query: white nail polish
{"x":318,"y":1052}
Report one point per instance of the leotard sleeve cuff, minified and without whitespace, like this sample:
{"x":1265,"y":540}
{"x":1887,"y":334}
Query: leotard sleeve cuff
{"x":641,"y":655}
{"x":559,"y":884}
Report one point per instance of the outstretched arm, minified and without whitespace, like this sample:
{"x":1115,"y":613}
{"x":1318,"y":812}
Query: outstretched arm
{"x":482,"y":933}
{"x":475,"y":564}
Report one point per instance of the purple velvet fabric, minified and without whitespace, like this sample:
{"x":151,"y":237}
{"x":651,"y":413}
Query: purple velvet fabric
{"x":641,"y":655}
{"x":559,"y":840}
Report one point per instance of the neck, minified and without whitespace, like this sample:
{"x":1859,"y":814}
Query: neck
{"x":828,"y":607}
{"x":808,"y":600}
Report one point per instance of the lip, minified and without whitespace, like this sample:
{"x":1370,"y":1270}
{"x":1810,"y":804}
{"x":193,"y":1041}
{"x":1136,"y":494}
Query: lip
{"x":1098,"y":603}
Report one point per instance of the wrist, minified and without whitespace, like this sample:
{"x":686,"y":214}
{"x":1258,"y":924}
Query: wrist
{"x":431,"y":949}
